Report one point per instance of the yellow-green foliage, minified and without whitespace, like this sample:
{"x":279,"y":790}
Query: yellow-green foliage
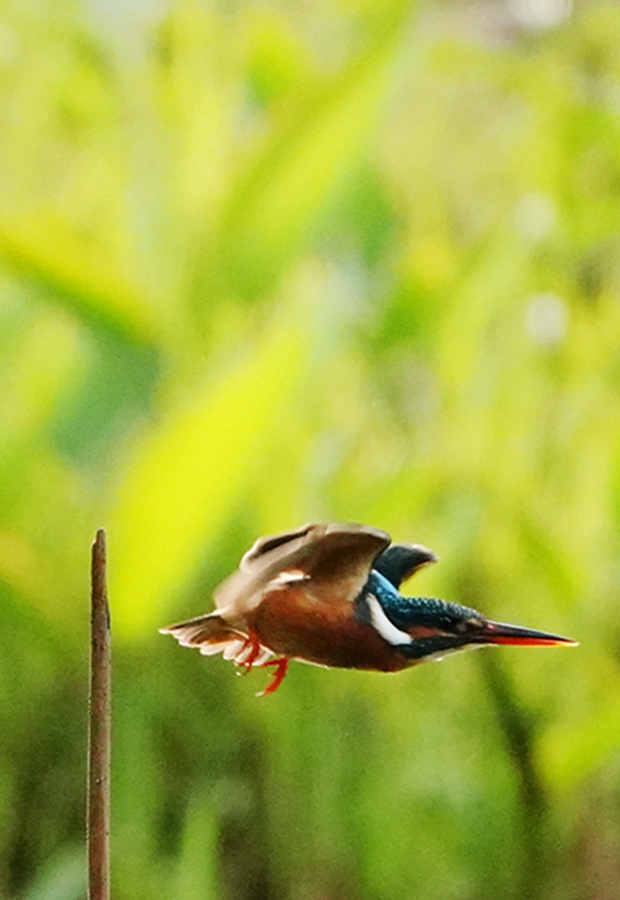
{"x":265,"y":263}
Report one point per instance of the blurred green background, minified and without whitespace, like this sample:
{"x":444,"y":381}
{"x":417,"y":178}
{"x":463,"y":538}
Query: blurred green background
{"x":265,"y":263}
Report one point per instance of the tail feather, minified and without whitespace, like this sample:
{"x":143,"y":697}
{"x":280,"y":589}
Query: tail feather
{"x":211,"y":634}
{"x":211,"y":629}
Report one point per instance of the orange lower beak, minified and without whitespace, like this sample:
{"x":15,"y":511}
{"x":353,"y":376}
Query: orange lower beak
{"x":498,"y":633}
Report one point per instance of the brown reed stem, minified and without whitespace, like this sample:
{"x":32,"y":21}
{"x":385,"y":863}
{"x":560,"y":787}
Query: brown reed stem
{"x":98,"y":813}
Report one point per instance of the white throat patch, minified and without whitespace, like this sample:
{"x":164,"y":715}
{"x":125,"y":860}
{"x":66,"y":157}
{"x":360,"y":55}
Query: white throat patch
{"x":382,"y":624}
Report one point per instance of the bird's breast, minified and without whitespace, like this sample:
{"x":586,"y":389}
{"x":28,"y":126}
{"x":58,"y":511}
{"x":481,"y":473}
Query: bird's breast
{"x":301,"y":624}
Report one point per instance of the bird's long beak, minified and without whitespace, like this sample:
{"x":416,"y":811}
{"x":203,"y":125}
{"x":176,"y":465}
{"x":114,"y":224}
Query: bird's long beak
{"x":498,"y":633}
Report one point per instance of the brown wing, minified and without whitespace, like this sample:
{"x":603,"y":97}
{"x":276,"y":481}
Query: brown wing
{"x":338,"y":554}
{"x":265,"y":546}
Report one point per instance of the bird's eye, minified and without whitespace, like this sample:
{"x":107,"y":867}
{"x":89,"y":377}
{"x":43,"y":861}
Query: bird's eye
{"x":472,"y":624}
{"x":454,"y":625}
{"x":463,"y":626}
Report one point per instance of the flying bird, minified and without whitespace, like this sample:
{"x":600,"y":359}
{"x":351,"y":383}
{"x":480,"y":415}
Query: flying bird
{"x":329,"y":595}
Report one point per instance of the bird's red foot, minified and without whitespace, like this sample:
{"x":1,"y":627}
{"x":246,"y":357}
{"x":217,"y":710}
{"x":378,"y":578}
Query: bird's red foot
{"x":281,"y":666}
{"x":249,"y":653}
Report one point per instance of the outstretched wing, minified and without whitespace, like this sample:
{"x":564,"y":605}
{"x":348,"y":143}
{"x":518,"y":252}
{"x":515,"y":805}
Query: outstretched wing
{"x":340,"y":555}
{"x":268,"y":547}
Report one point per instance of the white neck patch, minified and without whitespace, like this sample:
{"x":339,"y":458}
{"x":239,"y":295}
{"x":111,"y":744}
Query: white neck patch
{"x":382,"y":624}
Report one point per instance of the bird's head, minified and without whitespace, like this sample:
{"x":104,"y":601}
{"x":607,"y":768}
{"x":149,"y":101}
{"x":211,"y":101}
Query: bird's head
{"x":423,"y":628}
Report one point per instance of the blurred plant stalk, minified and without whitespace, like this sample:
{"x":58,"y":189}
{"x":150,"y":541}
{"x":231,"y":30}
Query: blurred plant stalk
{"x":98,"y":836}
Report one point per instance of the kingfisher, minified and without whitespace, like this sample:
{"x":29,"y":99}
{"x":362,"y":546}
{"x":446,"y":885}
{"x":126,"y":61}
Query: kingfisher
{"x":328,"y":595}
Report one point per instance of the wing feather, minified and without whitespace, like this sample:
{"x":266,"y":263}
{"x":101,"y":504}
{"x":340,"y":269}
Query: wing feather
{"x":338,"y":554}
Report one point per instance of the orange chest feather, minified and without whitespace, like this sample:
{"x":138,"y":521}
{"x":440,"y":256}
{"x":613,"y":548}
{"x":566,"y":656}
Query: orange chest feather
{"x":294,"y":623}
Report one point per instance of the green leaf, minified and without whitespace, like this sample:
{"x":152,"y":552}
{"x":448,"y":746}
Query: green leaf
{"x":571,"y":752}
{"x":196,"y":872}
{"x":275,"y":208}
{"x":187,"y":473}
{"x":79,"y":276}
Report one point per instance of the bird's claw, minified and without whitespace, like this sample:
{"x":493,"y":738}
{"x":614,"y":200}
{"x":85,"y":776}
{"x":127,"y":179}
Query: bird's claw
{"x":281,"y":666}
{"x":248,"y":654}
